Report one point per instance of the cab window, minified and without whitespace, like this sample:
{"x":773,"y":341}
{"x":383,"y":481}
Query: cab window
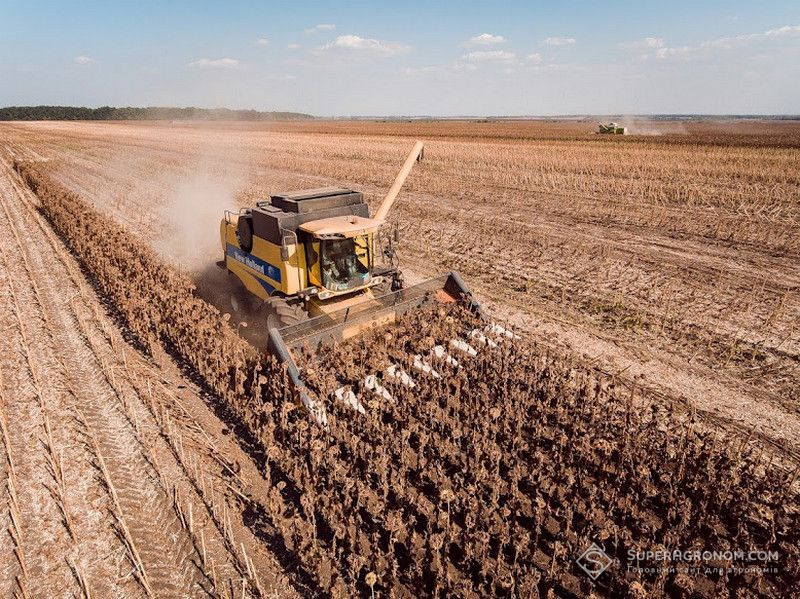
{"x":346,"y":263}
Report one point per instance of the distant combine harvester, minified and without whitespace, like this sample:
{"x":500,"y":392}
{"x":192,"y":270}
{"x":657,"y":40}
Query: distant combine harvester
{"x":611,"y":129}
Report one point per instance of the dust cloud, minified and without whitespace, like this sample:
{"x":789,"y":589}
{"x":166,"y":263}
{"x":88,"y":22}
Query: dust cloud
{"x":644,"y":126}
{"x":194,"y":204}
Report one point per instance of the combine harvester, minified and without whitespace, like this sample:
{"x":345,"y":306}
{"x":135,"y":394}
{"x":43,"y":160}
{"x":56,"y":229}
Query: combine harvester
{"x":308,"y":259}
{"x":611,"y":129}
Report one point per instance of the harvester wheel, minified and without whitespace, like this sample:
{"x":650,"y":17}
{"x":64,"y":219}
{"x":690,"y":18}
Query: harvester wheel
{"x":280,"y":313}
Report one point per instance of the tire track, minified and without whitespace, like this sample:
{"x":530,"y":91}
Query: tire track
{"x":191,"y":456}
{"x":40,"y":501}
{"x":164,"y":547}
{"x":183,"y":475}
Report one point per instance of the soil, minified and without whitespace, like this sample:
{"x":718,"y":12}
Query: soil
{"x":656,"y":333}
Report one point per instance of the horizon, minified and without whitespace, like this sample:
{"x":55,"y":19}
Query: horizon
{"x":564,"y":116}
{"x":443,"y":59}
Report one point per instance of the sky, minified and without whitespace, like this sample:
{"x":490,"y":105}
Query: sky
{"x":406,"y":57}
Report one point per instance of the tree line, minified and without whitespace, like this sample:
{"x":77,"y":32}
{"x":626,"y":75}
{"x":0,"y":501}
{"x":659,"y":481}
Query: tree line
{"x":130,"y":113}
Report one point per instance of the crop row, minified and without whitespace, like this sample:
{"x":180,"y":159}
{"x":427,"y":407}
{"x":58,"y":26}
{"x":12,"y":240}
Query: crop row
{"x":521,"y":442}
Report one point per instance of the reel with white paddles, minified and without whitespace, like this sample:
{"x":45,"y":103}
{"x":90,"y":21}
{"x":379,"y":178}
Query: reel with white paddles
{"x":500,"y":332}
{"x":346,"y":396}
{"x":371,"y":383}
{"x":401,"y":375}
{"x":463,"y":346}
{"x":424,"y":367}
{"x":482,"y":339}
{"x":440,"y":353}
{"x":318,"y":411}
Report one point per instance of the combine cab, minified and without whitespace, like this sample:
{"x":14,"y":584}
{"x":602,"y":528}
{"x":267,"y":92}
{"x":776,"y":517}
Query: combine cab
{"x":611,"y":129}
{"x":309,"y":262}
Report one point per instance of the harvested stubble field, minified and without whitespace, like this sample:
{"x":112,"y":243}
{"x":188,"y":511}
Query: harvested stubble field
{"x":651,"y":404}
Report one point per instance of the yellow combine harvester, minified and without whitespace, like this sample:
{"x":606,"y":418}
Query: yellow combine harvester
{"x":611,"y":129}
{"x":309,"y":258}
{"x":311,"y":252}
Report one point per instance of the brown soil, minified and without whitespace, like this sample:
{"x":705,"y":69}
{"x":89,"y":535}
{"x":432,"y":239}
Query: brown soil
{"x":676,"y":297}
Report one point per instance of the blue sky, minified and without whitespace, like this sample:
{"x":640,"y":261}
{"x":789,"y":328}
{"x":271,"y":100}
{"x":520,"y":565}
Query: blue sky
{"x":406,"y":57}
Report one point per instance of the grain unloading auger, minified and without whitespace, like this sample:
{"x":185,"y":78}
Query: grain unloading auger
{"x":308,"y":258}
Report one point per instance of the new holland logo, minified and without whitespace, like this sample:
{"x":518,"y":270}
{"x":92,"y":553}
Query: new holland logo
{"x":256,"y":264}
{"x":594,"y":561}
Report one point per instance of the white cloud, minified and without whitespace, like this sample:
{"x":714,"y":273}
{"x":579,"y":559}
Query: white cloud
{"x":727,"y":43}
{"x":84,"y":60}
{"x":682,"y":51}
{"x":501,"y":60}
{"x":262,"y":41}
{"x":219,"y":63}
{"x":559,"y":41}
{"x":354,"y":43}
{"x":648,"y":43}
{"x":293,"y":46}
{"x":489,"y":56}
{"x":321,"y":27}
{"x":486,"y":39}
